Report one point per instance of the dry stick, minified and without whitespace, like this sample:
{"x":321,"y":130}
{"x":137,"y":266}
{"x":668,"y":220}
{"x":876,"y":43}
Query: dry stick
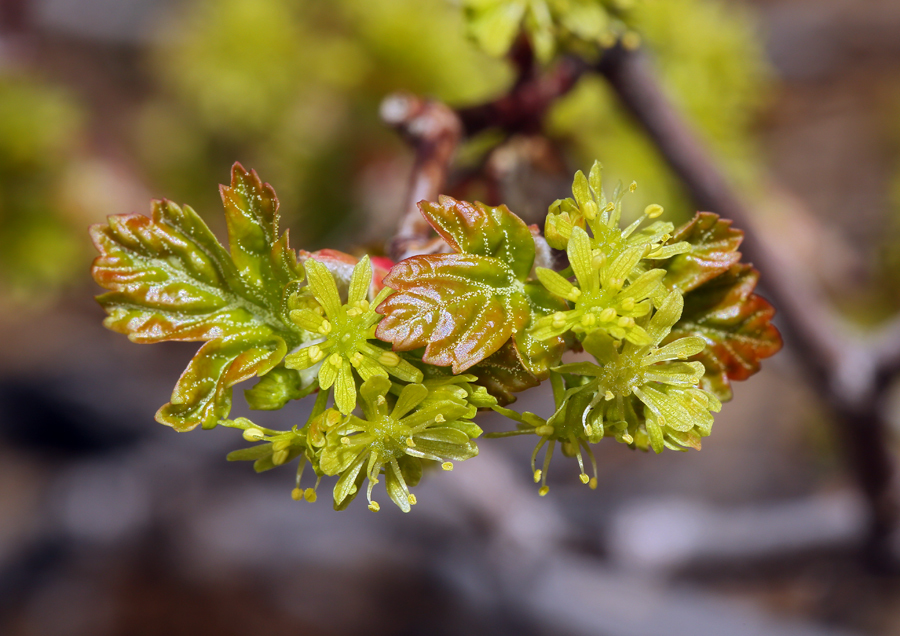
{"x":434,"y":130}
{"x":850,"y":375}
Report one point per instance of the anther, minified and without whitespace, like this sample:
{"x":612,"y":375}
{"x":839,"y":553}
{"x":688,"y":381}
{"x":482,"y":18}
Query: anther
{"x":389,"y":359}
{"x":281,"y":444}
{"x":593,"y":483}
{"x":447,"y":465}
{"x":278,"y":458}
{"x":628,"y":304}
{"x":628,"y":439}
{"x":544,"y":431}
{"x":559,"y":320}
{"x":345,"y":441}
{"x":608,"y":395}
{"x":440,"y":418}
{"x":412,"y":500}
{"x":316,"y":353}
{"x":653,"y":211}
{"x":574,"y":294}
{"x":537,"y":475}
{"x":296,"y":494}
{"x":588,"y":320}
{"x":356,"y":359}
{"x":253,"y":435}
{"x":374,"y":507}
{"x":584,"y":478}
{"x":335,"y":359}
{"x":325,"y":328}
{"x":633,"y":186}
{"x":380,"y":400}
{"x":607,"y":315}
{"x":310,"y":495}
{"x":544,"y":490}
{"x":410,"y":442}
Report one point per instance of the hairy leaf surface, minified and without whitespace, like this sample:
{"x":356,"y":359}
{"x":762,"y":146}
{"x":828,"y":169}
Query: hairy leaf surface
{"x":503,"y":374}
{"x":462,"y":307}
{"x":170,"y":279}
{"x":735,"y":323}
{"x":714,"y":245}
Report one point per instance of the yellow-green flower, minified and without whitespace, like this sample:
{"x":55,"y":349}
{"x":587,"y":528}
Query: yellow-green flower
{"x":675,"y":410}
{"x":393,"y":438}
{"x":603,"y":298}
{"x":346,"y":331}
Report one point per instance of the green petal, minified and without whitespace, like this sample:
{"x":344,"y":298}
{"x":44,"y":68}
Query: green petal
{"x":373,"y":391}
{"x":396,"y":486}
{"x":327,"y":374}
{"x":410,"y":397}
{"x":346,"y":481}
{"x":405,"y":371}
{"x":679,"y":414}
{"x":580,"y":258}
{"x":654,"y":432}
{"x":360,"y":281}
{"x":323,"y":287}
{"x":555,"y":283}
{"x":644,"y":286}
{"x":300,"y":359}
{"x":308,"y":319}
{"x":677,"y":373}
{"x":344,"y":388}
{"x":250,"y":454}
{"x":621,"y":267}
{"x":677,"y":350}
{"x":445,"y":450}
{"x":368,"y":368}
{"x":666,"y":316}
{"x":581,"y":191}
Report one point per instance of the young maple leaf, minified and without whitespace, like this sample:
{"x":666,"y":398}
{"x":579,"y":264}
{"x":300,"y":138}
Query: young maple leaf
{"x":170,"y":279}
{"x":463,"y":307}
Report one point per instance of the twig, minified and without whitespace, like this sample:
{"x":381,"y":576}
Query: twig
{"x":434,"y":130}
{"x":845,"y":371}
{"x":523,"y":108}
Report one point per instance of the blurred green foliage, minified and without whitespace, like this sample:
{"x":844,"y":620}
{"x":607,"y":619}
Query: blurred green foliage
{"x":711,"y":63}
{"x":40,"y":129}
{"x":578,"y":26}
{"x":292,"y":88}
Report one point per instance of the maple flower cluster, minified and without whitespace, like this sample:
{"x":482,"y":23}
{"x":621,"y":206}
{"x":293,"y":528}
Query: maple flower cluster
{"x":401,"y":361}
{"x":639,"y":390}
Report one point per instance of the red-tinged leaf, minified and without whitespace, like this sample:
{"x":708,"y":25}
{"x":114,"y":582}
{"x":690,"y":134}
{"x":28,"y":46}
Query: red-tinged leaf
{"x":736,"y":324}
{"x":170,"y":279}
{"x":203,"y":392}
{"x":503,"y":374}
{"x":714,"y":246}
{"x":475,"y":228}
{"x":461,"y":307}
